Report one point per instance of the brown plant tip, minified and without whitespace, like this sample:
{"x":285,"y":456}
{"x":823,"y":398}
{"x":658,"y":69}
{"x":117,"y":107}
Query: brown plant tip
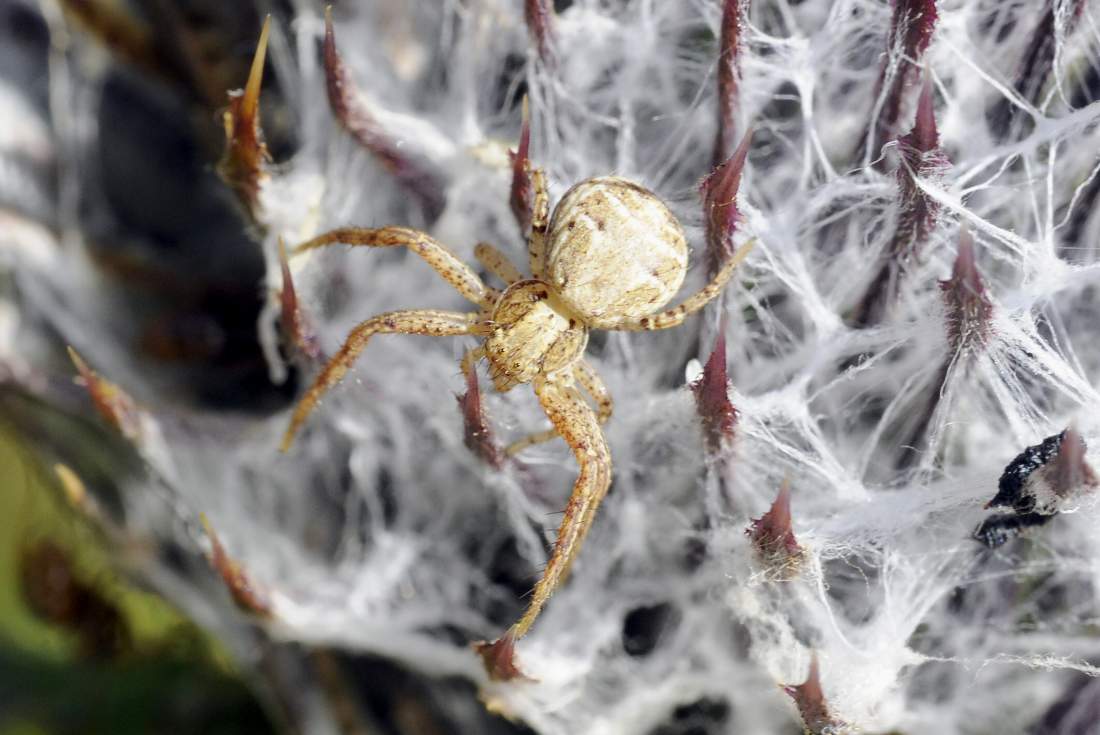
{"x":1043,"y":475}
{"x":719,"y":190}
{"x":772,"y":535}
{"x":522,"y":197}
{"x":411,"y":171}
{"x":1070,"y":472}
{"x":924,"y":137}
{"x":810,"y":700}
{"x":921,"y":158}
{"x":478,"y":438}
{"x":968,"y":309}
{"x":712,"y":400}
{"x":540,"y":19}
{"x":729,"y":77}
{"x":295,"y":327}
{"x":244,"y":162}
{"x":111,"y":401}
{"x":918,"y":213}
{"x":499,"y":658}
{"x":1036,"y":485}
{"x":911,"y":27}
{"x":246,"y":595}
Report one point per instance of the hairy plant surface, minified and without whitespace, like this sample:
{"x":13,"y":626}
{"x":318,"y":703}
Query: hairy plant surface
{"x":797,"y":533}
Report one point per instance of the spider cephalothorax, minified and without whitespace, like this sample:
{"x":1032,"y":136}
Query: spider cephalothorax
{"x":533,"y":332}
{"x":610,"y":258}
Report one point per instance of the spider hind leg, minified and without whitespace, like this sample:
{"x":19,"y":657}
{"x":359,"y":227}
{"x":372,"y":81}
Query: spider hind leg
{"x":590,"y":380}
{"x":576,"y":422}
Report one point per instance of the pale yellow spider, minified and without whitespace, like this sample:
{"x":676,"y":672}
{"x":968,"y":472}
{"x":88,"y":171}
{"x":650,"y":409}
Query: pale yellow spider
{"x":611,"y":256}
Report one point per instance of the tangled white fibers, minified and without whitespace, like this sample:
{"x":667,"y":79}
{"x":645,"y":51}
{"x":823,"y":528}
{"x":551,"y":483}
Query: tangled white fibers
{"x":919,"y":311}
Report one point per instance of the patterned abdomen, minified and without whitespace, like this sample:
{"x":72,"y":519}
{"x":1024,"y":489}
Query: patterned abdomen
{"x":615,"y":250}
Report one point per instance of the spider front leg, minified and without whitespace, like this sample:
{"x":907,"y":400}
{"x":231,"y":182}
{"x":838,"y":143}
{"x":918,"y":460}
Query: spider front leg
{"x":497,"y":263}
{"x":540,"y":222}
{"x":576,"y":422}
{"x":434,"y":253}
{"x":675,"y":316}
{"x":421,"y":321}
{"x":470,"y":358}
{"x":590,"y":380}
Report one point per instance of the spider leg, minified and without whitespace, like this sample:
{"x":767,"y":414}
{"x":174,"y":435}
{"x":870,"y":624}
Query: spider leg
{"x":540,"y":222}
{"x":575,"y":421}
{"x":590,"y":380}
{"x":529,"y":441}
{"x":434,"y":253}
{"x":676,"y":315}
{"x":422,"y":321}
{"x":497,"y":263}
{"x":469,"y":360}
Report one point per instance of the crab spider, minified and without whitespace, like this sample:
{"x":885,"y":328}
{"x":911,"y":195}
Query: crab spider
{"x":611,"y":256}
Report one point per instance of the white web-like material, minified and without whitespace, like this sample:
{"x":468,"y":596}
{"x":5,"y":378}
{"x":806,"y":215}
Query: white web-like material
{"x":381,"y":533}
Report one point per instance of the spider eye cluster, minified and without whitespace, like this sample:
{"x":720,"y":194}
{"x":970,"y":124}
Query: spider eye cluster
{"x":615,"y":250}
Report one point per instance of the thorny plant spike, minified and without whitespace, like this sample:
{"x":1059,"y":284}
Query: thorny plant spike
{"x":712,"y":400}
{"x":522,"y":197}
{"x":918,"y":213}
{"x":540,"y":18}
{"x":299,"y":336}
{"x":412,"y":171}
{"x":968,"y":316}
{"x":773,"y":537}
{"x":968,"y":309}
{"x":246,"y":595}
{"x":478,"y":437}
{"x":1036,"y":485}
{"x":111,"y":401}
{"x":911,"y":27}
{"x":810,"y":699}
{"x":719,"y":191}
{"x":611,"y":256}
{"x":729,"y":77}
{"x":246,"y":157}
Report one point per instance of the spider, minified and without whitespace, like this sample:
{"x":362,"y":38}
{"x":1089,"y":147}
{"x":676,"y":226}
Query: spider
{"x":611,"y":256}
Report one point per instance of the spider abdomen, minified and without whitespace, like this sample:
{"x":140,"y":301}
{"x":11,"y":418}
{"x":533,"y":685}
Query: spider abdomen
{"x":533,"y":333}
{"x":615,"y":250}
